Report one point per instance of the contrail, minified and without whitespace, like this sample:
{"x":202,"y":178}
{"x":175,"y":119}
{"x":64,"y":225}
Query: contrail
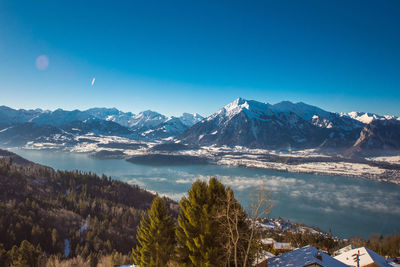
{"x":94,"y":79}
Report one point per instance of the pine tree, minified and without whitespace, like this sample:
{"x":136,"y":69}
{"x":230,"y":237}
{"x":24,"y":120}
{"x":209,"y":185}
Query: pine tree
{"x":26,"y":255}
{"x":198,"y":231}
{"x":156,"y":236}
{"x":212,"y":227}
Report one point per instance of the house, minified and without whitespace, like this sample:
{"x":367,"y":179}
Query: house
{"x":367,"y":258}
{"x":282,"y":246}
{"x":267,"y":241}
{"x":307,"y":256}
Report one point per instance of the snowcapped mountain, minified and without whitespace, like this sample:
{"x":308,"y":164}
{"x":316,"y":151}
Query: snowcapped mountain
{"x":147,"y":119}
{"x":31,"y":125}
{"x":261,"y":125}
{"x":366,"y":118}
{"x":317,"y":116}
{"x":306,"y":112}
{"x":157,"y":126}
{"x":10,"y":116}
{"x":61,"y":117}
{"x":171,"y":127}
{"x":96,"y":126}
{"x":104,"y":113}
{"x":144,"y":120}
{"x":254,"y":124}
{"x":190,"y":119}
{"x":21,"y":133}
{"x":248,"y":123}
{"x":112,"y":114}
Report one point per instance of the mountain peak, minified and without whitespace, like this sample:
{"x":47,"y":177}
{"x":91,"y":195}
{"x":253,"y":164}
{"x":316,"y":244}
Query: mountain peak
{"x":305,"y":111}
{"x":366,"y":117}
{"x":190,"y":119}
{"x":243,"y":104}
{"x":149,"y":112}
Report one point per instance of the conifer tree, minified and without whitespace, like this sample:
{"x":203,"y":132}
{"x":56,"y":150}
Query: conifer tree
{"x":156,"y":236}
{"x":198,"y":232}
{"x":212,"y":227}
{"x":26,"y":255}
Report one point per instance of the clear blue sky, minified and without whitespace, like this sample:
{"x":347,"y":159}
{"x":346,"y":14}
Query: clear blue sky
{"x":196,"y":56}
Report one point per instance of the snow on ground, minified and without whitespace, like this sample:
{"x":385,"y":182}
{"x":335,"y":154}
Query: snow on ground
{"x":83,"y":228}
{"x":44,"y":145}
{"x":333,"y":168}
{"x":67,"y":248}
{"x":389,"y":159}
{"x":235,"y":156}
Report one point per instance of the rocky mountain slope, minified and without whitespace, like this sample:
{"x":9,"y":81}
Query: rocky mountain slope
{"x":380,"y":137}
{"x":281,"y":126}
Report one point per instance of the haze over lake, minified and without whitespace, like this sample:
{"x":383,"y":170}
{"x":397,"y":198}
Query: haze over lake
{"x":347,"y":206}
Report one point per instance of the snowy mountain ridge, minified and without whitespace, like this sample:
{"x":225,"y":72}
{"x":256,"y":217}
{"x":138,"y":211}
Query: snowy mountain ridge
{"x":255,"y":124}
{"x":366,"y":117}
{"x":246,"y":123}
{"x":33,"y":124}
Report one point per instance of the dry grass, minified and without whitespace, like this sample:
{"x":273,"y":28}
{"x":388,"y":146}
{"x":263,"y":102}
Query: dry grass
{"x":103,"y":261}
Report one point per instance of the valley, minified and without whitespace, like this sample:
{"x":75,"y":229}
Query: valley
{"x":343,"y":204}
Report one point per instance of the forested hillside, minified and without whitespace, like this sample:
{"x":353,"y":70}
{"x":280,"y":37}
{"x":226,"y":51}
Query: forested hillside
{"x":67,"y":213}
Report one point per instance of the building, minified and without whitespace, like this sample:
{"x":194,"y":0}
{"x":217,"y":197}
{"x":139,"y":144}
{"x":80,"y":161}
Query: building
{"x":279,"y":246}
{"x":268,"y":241}
{"x":366,"y":257}
{"x":307,"y":256}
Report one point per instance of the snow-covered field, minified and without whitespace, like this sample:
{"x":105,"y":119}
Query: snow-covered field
{"x":389,"y":159}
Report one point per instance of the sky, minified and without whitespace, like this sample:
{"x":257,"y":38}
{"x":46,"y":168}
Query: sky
{"x":197,"y":56}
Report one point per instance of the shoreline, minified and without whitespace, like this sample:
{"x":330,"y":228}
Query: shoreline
{"x":302,"y":161}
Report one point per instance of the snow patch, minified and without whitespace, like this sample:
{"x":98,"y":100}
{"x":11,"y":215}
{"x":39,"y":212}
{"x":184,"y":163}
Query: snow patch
{"x":67,"y":248}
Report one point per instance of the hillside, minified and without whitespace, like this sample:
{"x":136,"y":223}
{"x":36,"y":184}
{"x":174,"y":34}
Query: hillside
{"x":67,"y":213}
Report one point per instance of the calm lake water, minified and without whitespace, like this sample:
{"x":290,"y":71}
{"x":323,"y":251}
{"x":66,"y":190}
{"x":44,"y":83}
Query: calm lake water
{"x":347,"y":206}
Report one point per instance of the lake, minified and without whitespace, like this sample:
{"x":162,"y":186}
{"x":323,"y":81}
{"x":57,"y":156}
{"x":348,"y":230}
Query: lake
{"x":346,"y":206}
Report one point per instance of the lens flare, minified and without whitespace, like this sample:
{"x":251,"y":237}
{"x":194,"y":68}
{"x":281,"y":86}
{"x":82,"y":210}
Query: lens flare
{"x":42,"y":62}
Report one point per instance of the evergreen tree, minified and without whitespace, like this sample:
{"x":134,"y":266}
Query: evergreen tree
{"x":198,"y":232}
{"x":3,"y":256}
{"x":26,"y":255}
{"x":156,"y":236}
{"x":205,"y":235}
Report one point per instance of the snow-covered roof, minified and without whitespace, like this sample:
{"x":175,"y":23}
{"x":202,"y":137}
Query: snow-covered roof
{"x":343,"y":250}
{"x":303,"y":257}
{"x":262,"y":257}
{"x":280,"y":245}
{"x":366,"y":257}
{"x":267,"y":241}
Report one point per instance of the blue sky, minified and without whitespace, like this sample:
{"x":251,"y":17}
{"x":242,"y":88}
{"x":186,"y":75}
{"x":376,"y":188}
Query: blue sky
{"x":196,"y":56}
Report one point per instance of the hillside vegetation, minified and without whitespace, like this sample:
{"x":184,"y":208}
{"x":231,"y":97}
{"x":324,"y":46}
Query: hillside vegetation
{"x":68,"y":213}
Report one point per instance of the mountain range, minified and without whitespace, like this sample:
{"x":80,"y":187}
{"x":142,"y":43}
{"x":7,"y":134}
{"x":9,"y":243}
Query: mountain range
{"x":247,"y":123}
{"x":20,"y":126}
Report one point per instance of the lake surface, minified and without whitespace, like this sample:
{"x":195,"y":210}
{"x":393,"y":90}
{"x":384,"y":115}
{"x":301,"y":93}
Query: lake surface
{"x":347,"y":206}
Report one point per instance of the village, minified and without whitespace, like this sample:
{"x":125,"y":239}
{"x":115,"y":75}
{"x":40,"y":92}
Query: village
{"x":279,"y":254}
